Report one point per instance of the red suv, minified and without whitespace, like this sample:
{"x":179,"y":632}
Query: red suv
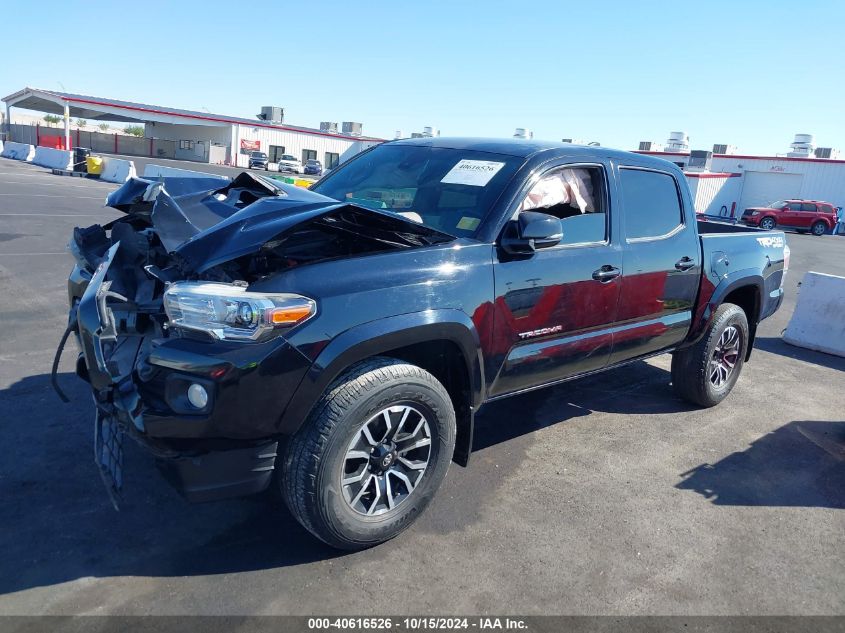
{"x":803,"y":215}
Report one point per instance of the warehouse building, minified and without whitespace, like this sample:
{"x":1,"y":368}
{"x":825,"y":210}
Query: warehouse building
{"x":189,"y":135}
{"x":724,"y":182}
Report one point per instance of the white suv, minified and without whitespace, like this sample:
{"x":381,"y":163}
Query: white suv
{"x":288,"y":162}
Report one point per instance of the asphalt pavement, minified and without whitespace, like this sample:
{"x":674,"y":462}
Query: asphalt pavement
{"x":606,"y":495}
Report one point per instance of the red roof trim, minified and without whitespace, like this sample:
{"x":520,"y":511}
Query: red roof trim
{"x":712,"y":175}
{"x":220,"y":120}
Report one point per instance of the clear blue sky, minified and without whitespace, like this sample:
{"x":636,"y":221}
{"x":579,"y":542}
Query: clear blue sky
{"x":751,"y":73}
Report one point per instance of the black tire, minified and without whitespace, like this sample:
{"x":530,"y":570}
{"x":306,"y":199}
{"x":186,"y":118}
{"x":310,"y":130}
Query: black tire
{"x":767,"y":223}
{"x":692,"y":372}
{"x":316,"y":456}
{"x":818,"y":229}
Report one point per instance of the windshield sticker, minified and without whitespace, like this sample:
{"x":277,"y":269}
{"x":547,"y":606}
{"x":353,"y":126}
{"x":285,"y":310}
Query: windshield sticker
{"x":468,"y":224}
{"x":475,"y":173}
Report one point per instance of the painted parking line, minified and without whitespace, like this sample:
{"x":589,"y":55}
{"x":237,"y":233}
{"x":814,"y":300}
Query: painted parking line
{"x":52,"y":215}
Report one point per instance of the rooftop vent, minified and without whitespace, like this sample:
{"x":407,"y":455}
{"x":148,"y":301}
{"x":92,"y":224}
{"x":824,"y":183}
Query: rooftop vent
{"x":677,"y":142}
{"x":352,"y":129}
{"x":523,"y":132}
{"x":802,"y":146}
{"x":272,"y":114}
{"x":429,"y":132}
{"x":328,"y":126}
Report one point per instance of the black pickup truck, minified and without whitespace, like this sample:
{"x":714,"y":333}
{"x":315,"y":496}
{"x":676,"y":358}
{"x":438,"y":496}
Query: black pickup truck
{"x":338,"y":341}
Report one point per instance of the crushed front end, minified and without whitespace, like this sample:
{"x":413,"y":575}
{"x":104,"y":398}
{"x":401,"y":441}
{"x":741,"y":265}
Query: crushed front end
{"x":183,"y":309}
{"x":192,"y":398}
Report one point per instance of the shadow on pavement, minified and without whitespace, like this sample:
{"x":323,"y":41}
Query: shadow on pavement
{"x":638,"y":388}
{"x":800,"y":464}
{"x":59,"y":524}
{"x":776,"y":345}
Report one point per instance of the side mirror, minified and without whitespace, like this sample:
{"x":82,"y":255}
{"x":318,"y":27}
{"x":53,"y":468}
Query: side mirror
{"x":531,"y":231}
{"x":785,"y":207}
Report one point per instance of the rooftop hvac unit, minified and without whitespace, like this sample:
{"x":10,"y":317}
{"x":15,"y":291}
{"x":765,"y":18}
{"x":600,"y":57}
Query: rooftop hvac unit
{"x":273,"y":114}
{"x":724,"y":148}
{"x":699,"y":160}
{"x":352,"y":129}
{"x":650,"y":146}
{"x":328,"y":126}
{"x":417,"y":135}
{"x":522,"y":132}
{"x":399,"y":134}
{"x":430,"y":132}
{"x":827,"y":152}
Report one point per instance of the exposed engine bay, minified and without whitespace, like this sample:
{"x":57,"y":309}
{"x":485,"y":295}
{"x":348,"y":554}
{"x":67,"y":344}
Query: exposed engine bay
{"x":180,"y":263}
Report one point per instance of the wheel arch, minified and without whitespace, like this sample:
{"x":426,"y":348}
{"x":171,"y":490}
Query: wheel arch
{"x":743,"y":288}
{"x":443,"y":342}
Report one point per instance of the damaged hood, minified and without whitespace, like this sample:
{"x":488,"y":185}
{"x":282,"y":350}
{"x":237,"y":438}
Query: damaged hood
{"x":205,"y":224}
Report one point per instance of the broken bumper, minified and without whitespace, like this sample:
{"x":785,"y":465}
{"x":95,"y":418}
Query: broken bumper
{"x":228,"y":447}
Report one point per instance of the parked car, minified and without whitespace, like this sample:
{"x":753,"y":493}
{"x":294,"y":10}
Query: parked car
{"x":290,"y":163}
{"x":814,"y":216}
{"x":258,"y":160}
{"x":313,"y":167}
{"x":337,"y":342}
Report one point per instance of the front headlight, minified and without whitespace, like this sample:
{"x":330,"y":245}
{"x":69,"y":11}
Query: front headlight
{"x":755,"y":213}
{"x":229,"y":312}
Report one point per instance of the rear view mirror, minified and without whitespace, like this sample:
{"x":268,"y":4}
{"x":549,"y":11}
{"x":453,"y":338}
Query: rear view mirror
{"x":531,"y":231}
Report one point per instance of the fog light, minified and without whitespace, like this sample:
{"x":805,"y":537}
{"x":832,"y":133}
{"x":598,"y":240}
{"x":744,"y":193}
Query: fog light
{"x":197,"y":396}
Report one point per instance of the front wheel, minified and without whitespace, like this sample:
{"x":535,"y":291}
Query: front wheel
{"x":818,"y":229}
{"x":706,"y":372}
{"x":372,"y":454}
{"x":767,"y":224}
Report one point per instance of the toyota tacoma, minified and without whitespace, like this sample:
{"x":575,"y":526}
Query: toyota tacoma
{"x":337,"y":342}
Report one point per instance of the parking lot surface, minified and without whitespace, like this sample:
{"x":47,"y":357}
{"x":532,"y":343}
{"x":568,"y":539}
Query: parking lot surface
{"x":606,"y":495}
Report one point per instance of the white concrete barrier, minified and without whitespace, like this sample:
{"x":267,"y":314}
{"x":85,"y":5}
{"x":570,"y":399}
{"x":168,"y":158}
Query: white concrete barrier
{"x":117,"y":169}
{"x":53,"y":158}
{"x":1,"y":148}
{"x":156,"y":171}
{"x":18,"y":151}
{"x":818,"y":322}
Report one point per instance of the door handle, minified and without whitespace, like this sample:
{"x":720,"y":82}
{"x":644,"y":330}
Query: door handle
{"x":606,"y":273}
{"x":685,"y":263}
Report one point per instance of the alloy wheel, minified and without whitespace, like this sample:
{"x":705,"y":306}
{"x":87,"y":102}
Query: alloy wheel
{"x":725,"y":356}
{"x":386,"y":460}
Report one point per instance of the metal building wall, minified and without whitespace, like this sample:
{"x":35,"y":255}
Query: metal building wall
{"x":715,"y":196}
{"x":823,"y":179}
{"x":293,"y":142}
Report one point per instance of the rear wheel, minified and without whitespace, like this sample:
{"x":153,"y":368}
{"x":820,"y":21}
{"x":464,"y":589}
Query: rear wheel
{"x":372,"y":454}
{"x":706,"y":372}
{"x":767,"y":224}
{"x":819,"y":228}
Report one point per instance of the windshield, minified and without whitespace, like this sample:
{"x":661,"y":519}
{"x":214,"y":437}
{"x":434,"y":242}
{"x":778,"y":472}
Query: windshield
{"x":450,"y":190}
{"x":287,"y":157}
{"x":259,"y":155}
{"x":778,"y":204}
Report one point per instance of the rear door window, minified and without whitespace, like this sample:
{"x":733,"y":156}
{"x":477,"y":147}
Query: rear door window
{"x":807,"y":206}
{"x":652,"y":203}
